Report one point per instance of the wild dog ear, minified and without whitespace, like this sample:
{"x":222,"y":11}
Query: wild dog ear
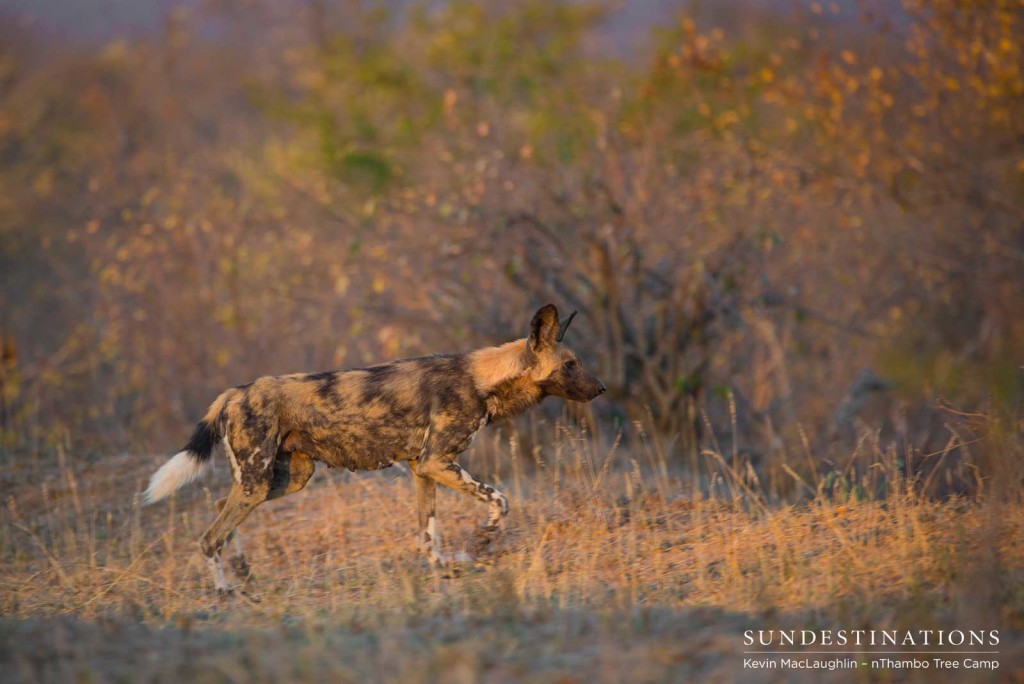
{"x":544,"y":328}
{"x":563,"y":325}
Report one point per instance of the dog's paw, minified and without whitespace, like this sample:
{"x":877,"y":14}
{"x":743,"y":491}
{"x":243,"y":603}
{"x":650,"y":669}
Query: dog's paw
{"x":460,"y":557}
{"x":451,"y":565}
{"x":241,"y":569}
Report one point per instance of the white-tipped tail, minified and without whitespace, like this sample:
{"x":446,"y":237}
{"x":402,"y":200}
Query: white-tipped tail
{"x":183,"y":468}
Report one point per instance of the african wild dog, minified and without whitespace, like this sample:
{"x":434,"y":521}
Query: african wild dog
{"x":423,"y":411}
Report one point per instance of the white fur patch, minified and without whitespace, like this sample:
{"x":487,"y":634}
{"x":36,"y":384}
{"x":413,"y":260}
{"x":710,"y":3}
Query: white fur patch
{"x":236,"y":473}
{"x":431,"y":542}
{"x":217,"y":570}
{"x":182,"y":469}
{"x":499,"y":509}
{"x":483,"y":422}
{"x":267,"y":460}
{"x":426,"y":436}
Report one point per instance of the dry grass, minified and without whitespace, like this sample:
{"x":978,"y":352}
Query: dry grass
{"x":610,"y":571}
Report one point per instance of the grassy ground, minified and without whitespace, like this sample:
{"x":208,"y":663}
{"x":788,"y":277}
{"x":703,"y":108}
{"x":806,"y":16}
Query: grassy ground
{"x":612,"y":569}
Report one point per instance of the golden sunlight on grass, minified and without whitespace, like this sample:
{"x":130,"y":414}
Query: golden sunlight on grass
{"x":604,"y":572}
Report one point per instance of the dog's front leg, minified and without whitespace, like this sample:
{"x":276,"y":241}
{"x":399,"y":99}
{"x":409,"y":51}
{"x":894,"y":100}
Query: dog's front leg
{"x":426,"y":509}
{"x":447,"y":472}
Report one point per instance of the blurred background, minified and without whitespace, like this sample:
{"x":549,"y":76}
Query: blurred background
{"x":794,"y":230}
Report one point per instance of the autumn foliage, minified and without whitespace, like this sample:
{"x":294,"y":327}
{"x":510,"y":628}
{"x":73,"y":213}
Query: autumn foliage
{"x":748,"y":212}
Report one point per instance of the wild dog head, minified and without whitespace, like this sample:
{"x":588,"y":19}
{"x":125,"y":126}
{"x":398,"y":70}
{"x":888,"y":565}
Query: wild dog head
{"x":553,"y":366}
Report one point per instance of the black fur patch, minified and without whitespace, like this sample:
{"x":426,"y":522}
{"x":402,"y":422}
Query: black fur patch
{"x":326,"y":383}
{"x":443,"y":383}
{"x":202,"y":441}
{"x":375,"y":384}
{"x":317,"y":377}
{"x":251,"y":421}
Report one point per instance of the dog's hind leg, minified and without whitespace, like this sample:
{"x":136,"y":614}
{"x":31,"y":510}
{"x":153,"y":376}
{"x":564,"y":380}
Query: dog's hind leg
{"x":239,"y":504}
{"x":291,"y":472}
{"x":236,"y":561}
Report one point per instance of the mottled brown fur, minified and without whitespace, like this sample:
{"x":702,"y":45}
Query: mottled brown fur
{"x":424,"y":411}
